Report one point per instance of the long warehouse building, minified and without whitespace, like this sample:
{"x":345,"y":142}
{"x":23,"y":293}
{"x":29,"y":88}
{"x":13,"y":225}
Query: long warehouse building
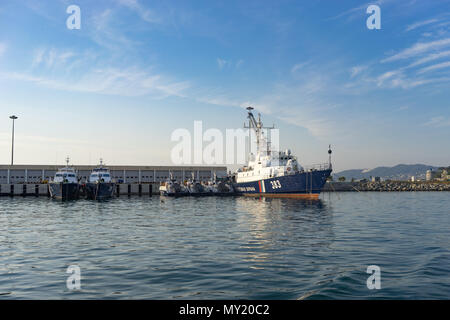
{"x":123,"y":174}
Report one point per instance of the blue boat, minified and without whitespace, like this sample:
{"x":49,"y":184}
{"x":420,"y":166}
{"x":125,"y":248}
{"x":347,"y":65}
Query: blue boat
{"x":278,"y":174}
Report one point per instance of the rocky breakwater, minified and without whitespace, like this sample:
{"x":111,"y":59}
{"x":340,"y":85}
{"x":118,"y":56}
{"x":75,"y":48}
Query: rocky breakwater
{"x":403,"y":186}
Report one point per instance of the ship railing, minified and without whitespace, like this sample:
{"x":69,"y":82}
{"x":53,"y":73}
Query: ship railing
{"x":317,"y":167}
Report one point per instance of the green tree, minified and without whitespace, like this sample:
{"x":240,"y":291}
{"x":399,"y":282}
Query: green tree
{"x":341,"y":179}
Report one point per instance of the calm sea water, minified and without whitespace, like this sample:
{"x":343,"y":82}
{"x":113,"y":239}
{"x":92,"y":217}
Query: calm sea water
{"x":227,"y":248}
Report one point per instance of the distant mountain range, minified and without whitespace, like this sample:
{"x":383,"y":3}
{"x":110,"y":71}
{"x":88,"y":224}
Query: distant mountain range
{"x":399,"y":172}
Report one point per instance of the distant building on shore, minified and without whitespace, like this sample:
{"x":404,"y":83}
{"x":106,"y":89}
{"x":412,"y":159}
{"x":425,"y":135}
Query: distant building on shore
{"x":442,"y":174}
{"x":431,"y":175}
{"x":375,"y":179}
{"x":445,"y":176}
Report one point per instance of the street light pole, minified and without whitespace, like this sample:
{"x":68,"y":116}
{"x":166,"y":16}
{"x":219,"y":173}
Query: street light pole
{"x":12,"y":147}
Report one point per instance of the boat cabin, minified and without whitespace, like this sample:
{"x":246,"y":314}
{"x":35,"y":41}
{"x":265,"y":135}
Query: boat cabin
{"x":100,"y":175}
{"x":66,"y":174}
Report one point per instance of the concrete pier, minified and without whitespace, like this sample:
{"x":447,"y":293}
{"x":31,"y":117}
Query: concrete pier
{"x":30,"y":180}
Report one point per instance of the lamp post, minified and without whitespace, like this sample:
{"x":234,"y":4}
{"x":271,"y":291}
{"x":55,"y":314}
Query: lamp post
{"x":12,"y":147}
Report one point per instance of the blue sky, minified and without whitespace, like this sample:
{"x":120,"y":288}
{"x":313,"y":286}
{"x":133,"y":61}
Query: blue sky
{"x":137,"y":70}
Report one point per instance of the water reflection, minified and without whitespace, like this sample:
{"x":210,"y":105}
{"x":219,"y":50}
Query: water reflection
{"x":270,"y":227}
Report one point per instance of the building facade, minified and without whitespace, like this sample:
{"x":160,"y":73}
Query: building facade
{"x":124,"y":174}
{"x":445,"y":176}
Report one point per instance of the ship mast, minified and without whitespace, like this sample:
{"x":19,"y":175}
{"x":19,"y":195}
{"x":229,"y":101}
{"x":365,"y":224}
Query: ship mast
{"x":329,"y":156}
{"x":257,"y":126}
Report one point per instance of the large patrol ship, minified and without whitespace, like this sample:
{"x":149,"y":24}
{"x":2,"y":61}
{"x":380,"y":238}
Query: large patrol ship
{"x":278,"y":174}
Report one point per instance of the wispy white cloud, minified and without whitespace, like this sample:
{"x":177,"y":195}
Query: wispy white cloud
{"x":359,"y":11}
{"x":401,"y":77}
{"x":298,"y":66}
{"x":105,"y":33}
{"x":435,"y":67}
{"x":222,"y":63}
{"x":219,"y":99}
{"x":301,"y":104}
{"x":111,"y":81}
{"x":438,"y":122}
{"x":397,"y":79}
{"x":239,"y":63}
{"x":51,"y":57}
{"x":387,"y":76}
{"x":430,"y":57}
{"x":145,"y":13}
{"x":38,"y":57}
{"x":420,"y":24}
{"x":407,"y":76}
{"x":356,"y":70}
{"x":418,"y":48}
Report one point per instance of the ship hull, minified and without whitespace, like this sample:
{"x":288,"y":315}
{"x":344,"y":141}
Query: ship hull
{"x":304,"y":185}
{"x":173,"y":194}
{"x":99,"y":191}
{"x":64,"y":191}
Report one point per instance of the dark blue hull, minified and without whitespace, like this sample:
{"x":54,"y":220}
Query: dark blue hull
{"x":99,"y":191}
{"x":299,"y":185}
{"x":64,"y":191}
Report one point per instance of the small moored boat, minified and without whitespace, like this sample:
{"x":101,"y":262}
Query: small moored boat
{"x":172,"y":188}
{"x":195,"y":188}
{"x":64,"y":185}
{"x":100,"y":185}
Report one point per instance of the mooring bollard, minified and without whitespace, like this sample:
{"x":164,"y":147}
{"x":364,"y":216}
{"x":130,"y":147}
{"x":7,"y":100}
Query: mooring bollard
{"x":11,"y":190}
{"x":129,"y":190}
{"x":36,"y":190}
{"x":118,"y":189}
{"x":140,"y":190}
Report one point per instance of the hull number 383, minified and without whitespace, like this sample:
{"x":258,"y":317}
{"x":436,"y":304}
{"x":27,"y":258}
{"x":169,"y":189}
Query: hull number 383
{"x":275,"y":184}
